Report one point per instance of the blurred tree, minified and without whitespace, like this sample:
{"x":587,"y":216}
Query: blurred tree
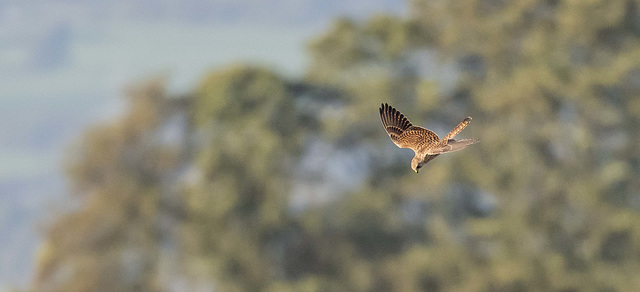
{"x":552,"y":87}
{"x":249,"y":133}
{"x":551,"y":84}
{"x":112,"y":240}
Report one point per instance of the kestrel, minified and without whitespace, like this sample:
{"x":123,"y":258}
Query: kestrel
{"x":425,"y":144}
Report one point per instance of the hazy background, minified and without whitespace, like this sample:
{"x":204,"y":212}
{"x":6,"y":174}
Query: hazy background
{"x":236,"y":145}
{"x":64,"y":65}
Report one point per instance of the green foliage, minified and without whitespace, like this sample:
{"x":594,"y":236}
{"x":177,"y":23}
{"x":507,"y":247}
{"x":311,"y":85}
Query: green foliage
{"x":547,"y":201}
{"x":247,"y":122}
{"x":111,"y":240}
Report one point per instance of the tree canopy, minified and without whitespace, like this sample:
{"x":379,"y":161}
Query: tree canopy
{"x":256,"y":182}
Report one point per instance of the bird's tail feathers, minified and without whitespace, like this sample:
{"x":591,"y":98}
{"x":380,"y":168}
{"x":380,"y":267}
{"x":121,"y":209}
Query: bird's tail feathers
{"x":457,"y":129}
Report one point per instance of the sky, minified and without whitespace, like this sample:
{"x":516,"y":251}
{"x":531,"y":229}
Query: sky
{"x":65,"y":64}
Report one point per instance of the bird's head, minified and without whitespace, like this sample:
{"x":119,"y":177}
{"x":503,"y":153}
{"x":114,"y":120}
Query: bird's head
{"x":416,"y":164}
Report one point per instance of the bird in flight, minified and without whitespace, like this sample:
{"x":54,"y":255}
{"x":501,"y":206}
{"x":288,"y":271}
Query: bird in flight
{"x":425,"y":143}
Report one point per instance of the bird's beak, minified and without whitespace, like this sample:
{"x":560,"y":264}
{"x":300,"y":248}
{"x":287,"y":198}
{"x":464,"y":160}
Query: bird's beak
{"x":415,"y":170}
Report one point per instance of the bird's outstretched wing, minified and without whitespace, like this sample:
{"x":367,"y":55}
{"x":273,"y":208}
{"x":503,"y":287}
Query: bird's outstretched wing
{"x":452,"y":145}
{"x":402,"y":132}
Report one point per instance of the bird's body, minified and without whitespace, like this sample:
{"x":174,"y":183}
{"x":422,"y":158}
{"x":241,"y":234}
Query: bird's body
{"x":425,"y":143}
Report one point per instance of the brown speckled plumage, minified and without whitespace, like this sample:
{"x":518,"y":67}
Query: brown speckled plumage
{"x":425,"y":143}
